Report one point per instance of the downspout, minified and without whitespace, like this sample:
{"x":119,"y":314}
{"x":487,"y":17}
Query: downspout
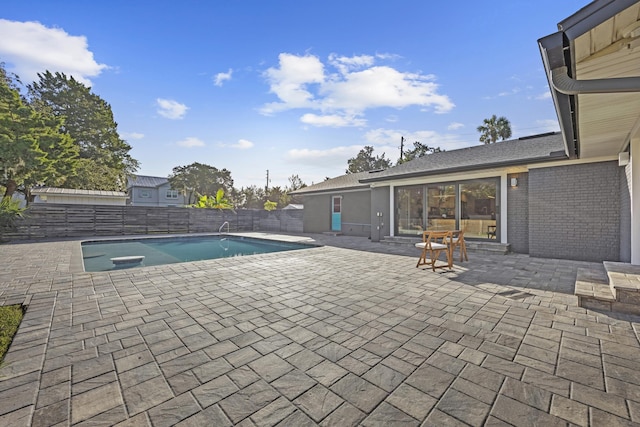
{"x":561,"y":81}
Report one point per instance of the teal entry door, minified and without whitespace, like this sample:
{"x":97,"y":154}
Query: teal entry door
{"x":336,"y":213}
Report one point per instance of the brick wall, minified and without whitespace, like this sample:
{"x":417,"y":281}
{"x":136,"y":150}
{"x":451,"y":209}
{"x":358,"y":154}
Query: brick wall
{"x":518,"y":213}
{"x":574,"y":212}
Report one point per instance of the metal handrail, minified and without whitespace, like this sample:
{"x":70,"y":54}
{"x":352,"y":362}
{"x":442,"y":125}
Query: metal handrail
{"x":222,"y":226}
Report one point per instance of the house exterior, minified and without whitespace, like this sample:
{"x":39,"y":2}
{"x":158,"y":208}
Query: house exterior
{"x":152,"y":191}
{"x":592,"y":64}
{"x":512,"y":193}
{"x":72,"y":196}
{"x":574,"y":194}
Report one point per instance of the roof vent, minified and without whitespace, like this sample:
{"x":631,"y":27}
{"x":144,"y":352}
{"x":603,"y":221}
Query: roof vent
{"x":540,"y":135}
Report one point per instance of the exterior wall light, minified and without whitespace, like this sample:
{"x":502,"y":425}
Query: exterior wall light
{"x":514,"y":182}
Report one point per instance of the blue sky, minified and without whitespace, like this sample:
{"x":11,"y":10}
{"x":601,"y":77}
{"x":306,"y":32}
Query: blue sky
{"x":293,"y":87}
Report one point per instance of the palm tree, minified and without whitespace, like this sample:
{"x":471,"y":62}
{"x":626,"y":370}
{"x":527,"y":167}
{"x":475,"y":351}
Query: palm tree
{"x":494,"y":129}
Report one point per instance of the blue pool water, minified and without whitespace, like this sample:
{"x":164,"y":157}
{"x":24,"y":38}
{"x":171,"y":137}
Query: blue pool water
{"x":158,"y":251}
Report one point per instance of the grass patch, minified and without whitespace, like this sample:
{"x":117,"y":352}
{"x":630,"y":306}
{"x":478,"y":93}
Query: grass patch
{"x":10,"y":318}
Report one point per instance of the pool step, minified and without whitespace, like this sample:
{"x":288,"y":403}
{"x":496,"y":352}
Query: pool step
{"x":127,"y":260}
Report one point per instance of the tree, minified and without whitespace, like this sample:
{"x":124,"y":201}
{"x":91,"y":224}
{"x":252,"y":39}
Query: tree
{"x":295,"y":183}
{"x":87,"y":119}
{"x":32,"y":148}
{"x":418,"y":150}
{"x":365,"y":161}
{"x":494,"y":129}
{"x":198,"y":179}
{"x":251,"y":197}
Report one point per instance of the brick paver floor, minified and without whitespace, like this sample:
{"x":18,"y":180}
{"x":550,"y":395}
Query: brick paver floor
{"x":350,"y":333}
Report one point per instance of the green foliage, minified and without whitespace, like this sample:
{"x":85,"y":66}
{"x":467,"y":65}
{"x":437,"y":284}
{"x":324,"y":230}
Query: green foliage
{"x":88,"y":120}
{"x":366,"y":161}
{"x":251,"y":197}
{"x":494,"y":129}
{"x":213,"y":202}
{"x":198,"y":179}
{"x":32,"y":148}
{"x":10,"y":318}
{"x":10,"y":211}
{"x":418,"y":150}
{"x":270,"y":206}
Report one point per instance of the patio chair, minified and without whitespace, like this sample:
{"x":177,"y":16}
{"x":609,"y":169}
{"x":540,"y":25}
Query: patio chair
{"x":491,"y":231}
{"x":457,"y":241}
{"x":435,"y":242}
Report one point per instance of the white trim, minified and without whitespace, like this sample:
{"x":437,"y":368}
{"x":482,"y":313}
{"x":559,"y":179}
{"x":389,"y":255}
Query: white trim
{"x":635,"y":201}
{"x":392,"y":211}
{"x":503,"y":208}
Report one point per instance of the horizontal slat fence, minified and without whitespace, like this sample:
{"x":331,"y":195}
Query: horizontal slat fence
{"x":58,"y":220}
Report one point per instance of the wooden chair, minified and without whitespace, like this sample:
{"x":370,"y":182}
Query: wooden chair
{"x":491,"y":231}
{"x":435,"y":242}
{"x":457,"y":241}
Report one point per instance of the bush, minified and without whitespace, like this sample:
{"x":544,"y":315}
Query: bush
{"x":10,"y":211}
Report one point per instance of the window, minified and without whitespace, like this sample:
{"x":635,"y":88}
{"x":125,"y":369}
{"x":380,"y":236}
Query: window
{"x":145,"y":194}
{"x":172,"y":194}
{"x":469,"y":205}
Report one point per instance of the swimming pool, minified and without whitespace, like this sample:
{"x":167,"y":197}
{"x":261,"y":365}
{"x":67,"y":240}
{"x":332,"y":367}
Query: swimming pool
{"x":117,"y":254}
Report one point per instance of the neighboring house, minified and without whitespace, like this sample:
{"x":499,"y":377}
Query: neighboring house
{"x":572,"y":195}
{"x":51,"y":195}
{"x":293,"y":206}
{"x":153,"y":191}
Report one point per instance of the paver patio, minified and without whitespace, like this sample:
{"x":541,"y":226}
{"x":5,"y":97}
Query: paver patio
{"x":350,"y":333}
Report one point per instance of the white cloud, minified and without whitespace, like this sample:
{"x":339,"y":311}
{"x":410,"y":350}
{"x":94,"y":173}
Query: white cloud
{"x":171,"y":109}
{"x":242,"y":144}
{"x":455,"y":126}
{"x":544,"y":95}
{"x":389,"y":139}
{"x":510,"y":92}
{"x":290,"y":82}
{"x":222,"y":77}
{"x":328,"y":158}
{"x":132,"y":135}
{"x":331,"y":120}
{"x":29,"y":48}
{"x":301,"y":82}
{"x":191,"y":142}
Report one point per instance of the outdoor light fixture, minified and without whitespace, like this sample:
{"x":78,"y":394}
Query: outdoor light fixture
{"x":514,"y":182}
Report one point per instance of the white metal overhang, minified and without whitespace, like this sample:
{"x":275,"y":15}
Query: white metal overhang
{"x":593,"y":67}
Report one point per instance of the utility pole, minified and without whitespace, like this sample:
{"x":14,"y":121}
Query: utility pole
{"x":401,"y":148}
{"x":266,"y":187}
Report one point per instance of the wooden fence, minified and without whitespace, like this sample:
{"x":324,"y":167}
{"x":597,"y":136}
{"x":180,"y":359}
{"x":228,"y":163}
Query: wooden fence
{"x":61,"y":220}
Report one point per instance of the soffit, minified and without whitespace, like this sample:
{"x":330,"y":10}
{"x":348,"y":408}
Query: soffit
{"x":609,"y":50}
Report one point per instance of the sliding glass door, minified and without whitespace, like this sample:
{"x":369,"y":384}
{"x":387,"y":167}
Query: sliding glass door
{"x":471,"y":206}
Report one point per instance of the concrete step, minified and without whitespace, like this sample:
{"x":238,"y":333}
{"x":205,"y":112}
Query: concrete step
{"x":476,"y":246}
{"x":614,"y":287}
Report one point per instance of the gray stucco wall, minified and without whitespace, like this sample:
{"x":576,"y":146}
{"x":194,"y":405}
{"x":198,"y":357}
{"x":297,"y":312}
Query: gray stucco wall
{"x":518,"y":213}
{"x":625,"y":214}
{"x":317,"y":214}
{"x":380,"y":225}
{"x":356,"y":213}
{"x":574,"y":212}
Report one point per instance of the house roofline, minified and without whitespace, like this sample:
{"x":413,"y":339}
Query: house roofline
{"x":552,"y":157}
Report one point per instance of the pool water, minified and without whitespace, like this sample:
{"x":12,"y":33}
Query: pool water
{"x":158,"y":251}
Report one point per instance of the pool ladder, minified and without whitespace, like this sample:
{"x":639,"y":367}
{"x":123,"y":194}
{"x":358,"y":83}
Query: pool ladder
{"x":224,"y":246}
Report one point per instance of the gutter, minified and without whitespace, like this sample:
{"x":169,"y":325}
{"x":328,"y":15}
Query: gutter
{"x":561,"y":81}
